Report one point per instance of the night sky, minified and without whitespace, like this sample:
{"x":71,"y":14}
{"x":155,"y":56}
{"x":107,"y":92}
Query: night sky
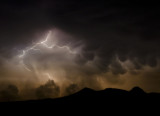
{"x":52,"y":48}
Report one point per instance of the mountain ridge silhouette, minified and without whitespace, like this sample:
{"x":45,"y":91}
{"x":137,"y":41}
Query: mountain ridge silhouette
{"x":108,"y":92}
{"x":89,"y":100}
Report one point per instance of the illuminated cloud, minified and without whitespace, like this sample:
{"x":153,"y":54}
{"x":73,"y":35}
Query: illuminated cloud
{"x":39,"y":47}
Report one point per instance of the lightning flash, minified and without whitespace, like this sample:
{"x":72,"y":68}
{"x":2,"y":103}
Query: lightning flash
{"x":45,"y":44}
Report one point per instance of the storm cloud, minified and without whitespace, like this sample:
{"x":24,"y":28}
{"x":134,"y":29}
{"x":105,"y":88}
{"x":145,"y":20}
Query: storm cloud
{"x":114,"y":44}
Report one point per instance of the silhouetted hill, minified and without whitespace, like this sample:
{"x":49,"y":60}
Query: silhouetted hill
{"x":137,"y":91}
{"x":93,"y":101}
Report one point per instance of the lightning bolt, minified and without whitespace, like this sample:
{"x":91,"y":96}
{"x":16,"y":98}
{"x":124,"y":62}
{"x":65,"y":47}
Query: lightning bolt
{"x":43,"y":43}
{"x":34,"y":46}
{"x":68,"y":48}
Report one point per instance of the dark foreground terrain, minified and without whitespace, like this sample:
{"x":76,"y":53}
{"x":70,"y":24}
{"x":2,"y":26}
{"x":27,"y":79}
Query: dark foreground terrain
{"x":112,"y":101}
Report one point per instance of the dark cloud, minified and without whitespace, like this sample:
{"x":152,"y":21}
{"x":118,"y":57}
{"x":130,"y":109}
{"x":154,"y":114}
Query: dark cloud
{"x":48,"y":90}
{"x":72,"y":88}
{"x":10,"y":93}
{"x":106,"y":27}
{"x":117,"y":68}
